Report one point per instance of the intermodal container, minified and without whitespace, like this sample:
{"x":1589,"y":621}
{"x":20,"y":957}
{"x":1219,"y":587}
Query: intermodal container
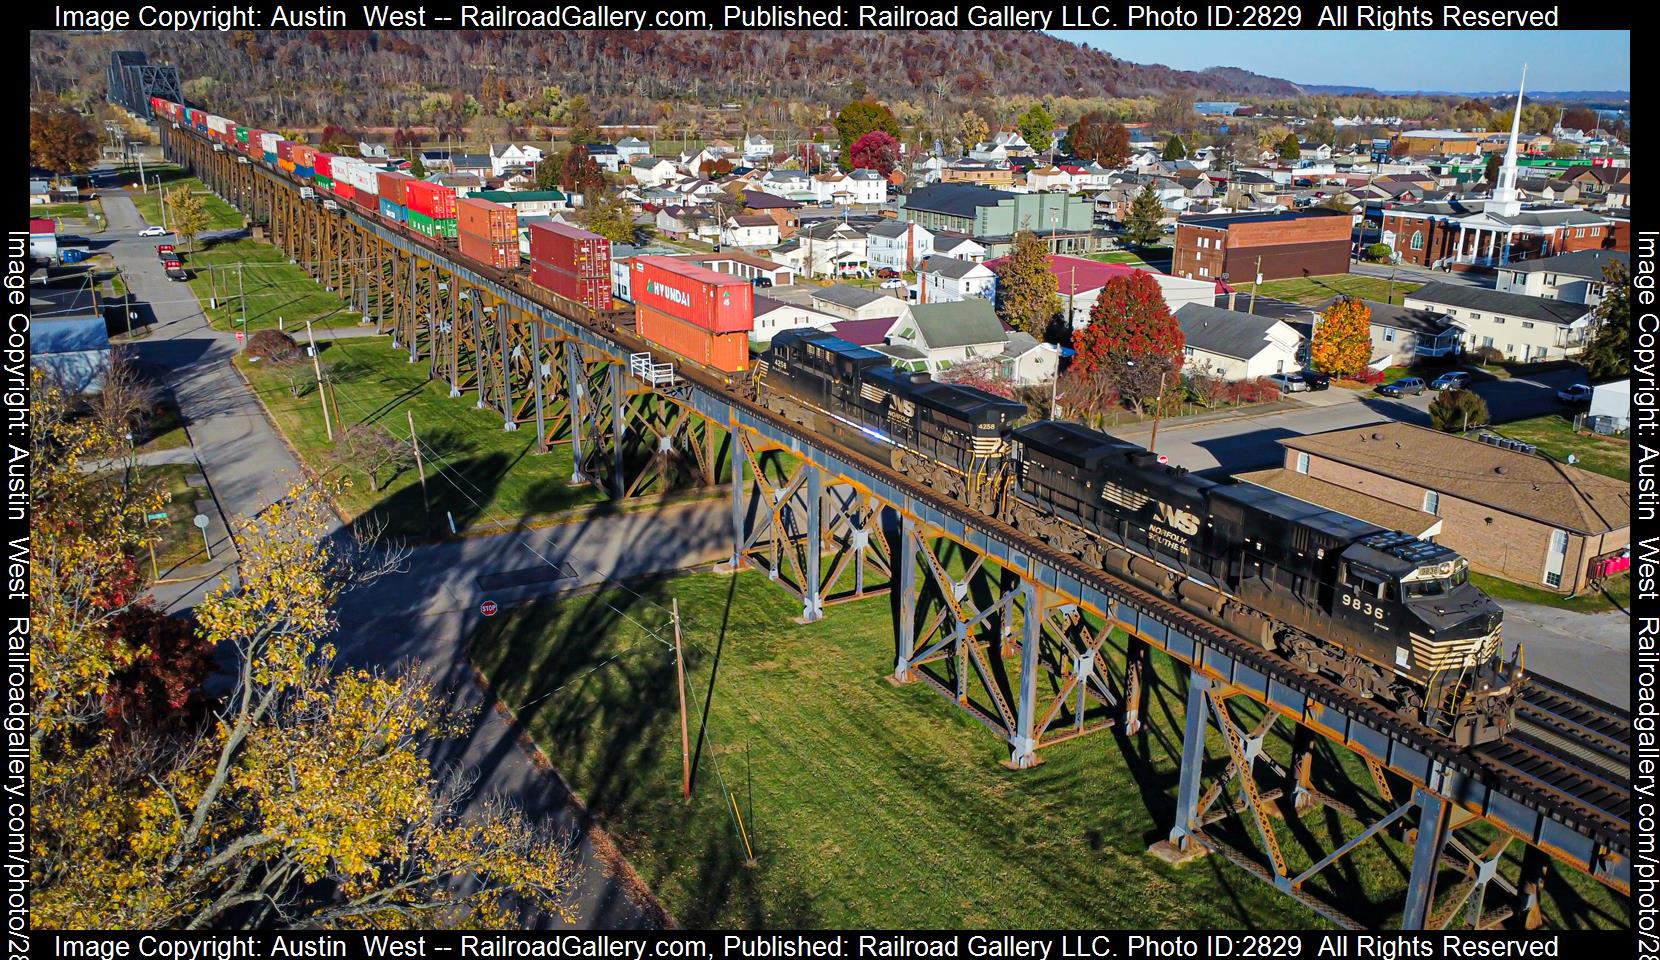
{"x":728,"y":352}
{"x":324,"y":165}
{"x":343,"y":190}
{"x":718,"y":302}
{"x":437,"y":202}
{"x":327,"y":183}
{"x":287,"y":166}
{"x":304,"y":156}
{"x":389,"y":210}
{"x":285,"y":150}
{"x":242,"y":134}
{"x":570,"y":248}
{"x":591,"y":291}
{"x":502,"y":256}
{"x":304,"y":173}
{"x":392,"y":185}
{"x":430,"y":226}
{"x":365,"y":201}
{"x":494,"y":222}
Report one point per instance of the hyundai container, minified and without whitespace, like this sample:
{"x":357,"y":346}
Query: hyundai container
{"x":714,"y":301}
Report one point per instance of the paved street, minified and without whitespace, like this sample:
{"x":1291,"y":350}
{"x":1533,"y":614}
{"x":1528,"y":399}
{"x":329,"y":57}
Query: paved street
{"x":1411,"y":274}
{"x":1587,"y":651}
{"x":248,"y":467}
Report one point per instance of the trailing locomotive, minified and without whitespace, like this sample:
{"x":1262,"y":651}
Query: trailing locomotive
{"x":1388,"y":616}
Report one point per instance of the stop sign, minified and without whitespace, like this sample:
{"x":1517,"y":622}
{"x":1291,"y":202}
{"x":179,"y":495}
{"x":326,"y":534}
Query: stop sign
{"x":488,"y":608}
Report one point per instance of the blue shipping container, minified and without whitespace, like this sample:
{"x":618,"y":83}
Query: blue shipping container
{"x":304,"y":173}
{"x":390,"y":210}
{"x":271,"y":158}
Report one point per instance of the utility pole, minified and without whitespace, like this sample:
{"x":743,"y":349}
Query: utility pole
{"x":680,"y":682}
{"x":1255,"y":280}
{"x":241,"y":300}
{"x":420,"y":468}
{"x":1390,"y":299}
{"x":317,"y":369}
{"x":161,"y":201}
{"x":1158,"y":408}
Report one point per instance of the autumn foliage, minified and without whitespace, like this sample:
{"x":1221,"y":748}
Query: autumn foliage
{"x":1098,"y":137}
{"x":1342,"y":343}
{"x":1132,"y":339}
{"x":876,"y":150}
{"x":60,"y":140}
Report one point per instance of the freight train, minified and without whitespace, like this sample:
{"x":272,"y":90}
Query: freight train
{"x":1389,"y":617}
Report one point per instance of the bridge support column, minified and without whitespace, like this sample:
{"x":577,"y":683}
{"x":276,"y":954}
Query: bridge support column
{"x":539,"y":371}
{"x":739,"y":489}
{"x":576,"y":389}
{"x":504,"y":324}
{"x":1535,"y":866}
{"x":1137,"y":661}
{"x":476,"y":309}
{"x":618,"y":426}
{"x":812,"y":604}
{"x":1434,"y":817}
{"x":1183,"y":845}
{"x":1022,"y":746}
{"x":1302,"y":768}
{"x":905,"y":558}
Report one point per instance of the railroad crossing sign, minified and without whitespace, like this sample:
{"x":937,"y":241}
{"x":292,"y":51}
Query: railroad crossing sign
{"x":488,"y":608}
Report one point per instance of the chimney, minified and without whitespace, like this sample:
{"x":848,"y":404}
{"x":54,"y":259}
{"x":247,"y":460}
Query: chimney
{"x":1231,"y":295}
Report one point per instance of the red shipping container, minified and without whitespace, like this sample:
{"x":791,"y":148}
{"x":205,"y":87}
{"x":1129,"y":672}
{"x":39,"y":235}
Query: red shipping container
{"x":285,"y":150}
{"x":324,"y":166}
{"x":495,"y":222}
{"x":723,"y":351}
{"x":392,"y":185}
{"x":304,"y":156}
{"x":700,"y":296}
{"x":344,"y":190}
{"x":502,"y":256}
{"x":366,"y":201}
{"x":569,"y":248}
{"x":252,"y":146}
{"x":437,"y":202}
{"x":590,"y":291}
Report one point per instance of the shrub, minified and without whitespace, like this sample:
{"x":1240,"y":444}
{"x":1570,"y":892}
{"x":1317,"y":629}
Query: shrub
{"x":1380,"y":253}
{"x":1488,"y":355}
{"x":275,"y":347}
{"x":1455,"y":411}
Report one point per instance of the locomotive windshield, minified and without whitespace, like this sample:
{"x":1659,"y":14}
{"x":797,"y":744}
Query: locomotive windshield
{"x":1435,"y":580}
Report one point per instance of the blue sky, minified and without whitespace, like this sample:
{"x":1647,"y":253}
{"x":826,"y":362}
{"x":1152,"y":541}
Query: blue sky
{"x":1451,"y":60}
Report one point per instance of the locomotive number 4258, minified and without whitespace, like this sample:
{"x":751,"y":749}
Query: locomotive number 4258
{"x":1366,"y":608}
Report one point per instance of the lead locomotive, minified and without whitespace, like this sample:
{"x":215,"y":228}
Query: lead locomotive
{"x":1388,"y":616}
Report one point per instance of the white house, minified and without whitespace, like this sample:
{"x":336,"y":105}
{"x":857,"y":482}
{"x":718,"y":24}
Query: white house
{"x":687,"y":223}
{"x":1572,"y":277}
{"x":867,"y":186}
{"x":757,"y":148}
{"x":830,"y":248}
{"x":750,"y":230}
{"x":844,"y":302}
{"x":898,"y":246}
{"x":1519,"y":327}
{"x":632,"y":149}
{"x":959,"y":246}
{"x":1237,"y":346}
{"x":605,"y":155}
{"x":371,"y":149}
{"x":653,"y":171}
{"x":1048,"y":178}
{"x":504,"y":155}
{"x":1079,"y":282}
{"x":772,"y":316}
{"x":936,"y":337}
{"x":942,"y":279}
{"x":785,"y":183}
{"x":989,"y":153}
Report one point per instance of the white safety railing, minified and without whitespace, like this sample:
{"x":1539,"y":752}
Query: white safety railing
{"x":652,"y":374}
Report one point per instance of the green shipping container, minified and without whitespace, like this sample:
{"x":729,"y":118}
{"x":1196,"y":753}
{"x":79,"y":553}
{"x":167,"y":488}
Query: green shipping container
{"x":446,"y":227}
{"x":427,"y":226}
{"x":241,"y":134}
{"x":324,"y":182}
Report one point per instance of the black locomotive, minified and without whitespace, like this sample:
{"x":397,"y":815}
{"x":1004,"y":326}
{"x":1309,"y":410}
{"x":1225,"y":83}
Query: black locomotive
{"x":1389,"y":616}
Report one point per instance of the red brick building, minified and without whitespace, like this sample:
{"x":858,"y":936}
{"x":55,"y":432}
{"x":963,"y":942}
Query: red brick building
{"x":1466,"y":234}
{"x":1301,"y":243}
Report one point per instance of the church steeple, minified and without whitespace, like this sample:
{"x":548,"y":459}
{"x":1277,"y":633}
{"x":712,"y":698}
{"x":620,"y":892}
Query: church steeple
{"x":1506,"y":201}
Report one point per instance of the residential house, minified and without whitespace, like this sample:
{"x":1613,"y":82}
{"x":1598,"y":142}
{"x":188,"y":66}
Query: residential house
{"x":1572,"y":277}
{"x":956,"y":245}
{"x":67,"y":335}
{"x":1511,"y":514}
{"x":372,"y":148}
{"x":993,"y":216}
{"x":746,"y":265}
{"x":605,"y":155}
{"x":1519,"y":327}
{"x":980,"y":172}
{"x":867,"y":333}
{"x":942,"y":279}
{"x":938,"y":336}
{"x":632,"y":149}
{"x":830,"y":248}
{"x":749,"y":230}
{"x":687,"y":223}
{"x":898,"y":246}
{"x":653,"y":171}
{"x":783,"y":211}
{"x":867,"y":186}
{"x":846,"y":302}
{"x":475,"y":164}
{"x":504,"y":156}
{"x":1048,"y":178}
{"x":1079,"y":282}
{"x":40,"y":192}
{"x":757,"y":148}
{"x":435,"y":160}
{"x":772,"y":316}
{"x":464,"y":184}
{"x":1234,"y":345}
{"x":1403,"y":336}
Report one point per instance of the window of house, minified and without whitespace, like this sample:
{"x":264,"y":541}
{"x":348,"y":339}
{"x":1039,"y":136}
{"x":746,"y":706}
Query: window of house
{"x":1187,"y":351}
{"x":1204,"y":271}
{"x":1417,"y":240}
{"x":1510,"y":349}
{"x":1477,"y":316}
{"x":1302,"y":462}
{"x":1432,"y":503}
{"x":1388,"y":334}
{"x":1526,"y":325}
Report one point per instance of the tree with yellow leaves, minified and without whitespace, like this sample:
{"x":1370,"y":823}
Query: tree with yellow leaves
{"x":1342,"y":343}
{"x":306,"y":799}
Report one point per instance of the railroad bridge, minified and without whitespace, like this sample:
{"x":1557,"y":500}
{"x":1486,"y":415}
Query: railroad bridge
{"x":1034,"y":645}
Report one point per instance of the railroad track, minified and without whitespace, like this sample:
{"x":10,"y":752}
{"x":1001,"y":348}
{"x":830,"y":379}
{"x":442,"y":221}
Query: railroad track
{"x":1564,"y":755}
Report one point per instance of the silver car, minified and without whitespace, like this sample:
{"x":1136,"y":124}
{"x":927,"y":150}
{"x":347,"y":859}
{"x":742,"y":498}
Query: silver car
{"x":1289,"y":382}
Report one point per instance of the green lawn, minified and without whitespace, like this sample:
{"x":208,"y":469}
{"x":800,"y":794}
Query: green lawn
{"x":475,"y":469}
{"x":1618,"y":593}
{"x":71,"y":211}
{"x":274,"y":289}
{"x":868,"y":805}
{"x":181,"y":541}
{"x":1554,"y":435}
{"x":1314,"y":290}
{"x":220,"y":215}
{"x":1120,"y":256}
{"x":165,"y":428}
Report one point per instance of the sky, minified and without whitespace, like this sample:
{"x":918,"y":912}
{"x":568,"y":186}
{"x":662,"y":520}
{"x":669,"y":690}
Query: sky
{"x":1459,"y":61}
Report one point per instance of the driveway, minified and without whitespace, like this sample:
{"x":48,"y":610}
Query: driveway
{"x":1586,"y":651}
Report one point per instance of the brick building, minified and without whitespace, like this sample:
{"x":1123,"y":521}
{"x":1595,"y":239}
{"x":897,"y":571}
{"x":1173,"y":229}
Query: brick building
{"x":1516,"y":515}
{"x":1302,"y":243}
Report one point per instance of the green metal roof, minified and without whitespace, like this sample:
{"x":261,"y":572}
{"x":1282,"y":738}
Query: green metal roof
{"x":958,"y":324}
{"x":519,"y":196}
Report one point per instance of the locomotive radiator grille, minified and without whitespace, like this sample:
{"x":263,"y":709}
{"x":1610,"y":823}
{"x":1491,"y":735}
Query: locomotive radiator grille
{"x":989,"y":446}
{"x":1436,"y":655}
{"x":872,"y":393}
{"x":1130,"y":500}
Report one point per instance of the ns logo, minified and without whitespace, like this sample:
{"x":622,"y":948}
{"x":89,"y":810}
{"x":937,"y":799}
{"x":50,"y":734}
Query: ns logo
{"x":1176,"y":519}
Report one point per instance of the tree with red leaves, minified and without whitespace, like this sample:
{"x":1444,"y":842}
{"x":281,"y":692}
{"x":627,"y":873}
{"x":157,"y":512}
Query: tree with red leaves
{"x":161,"y":688}
{"x":1132,"y":337}
{"x":1098,"y":137}
{"x":876,"y":150}
{"x":981,"y":373}
{"x":579,"y":173}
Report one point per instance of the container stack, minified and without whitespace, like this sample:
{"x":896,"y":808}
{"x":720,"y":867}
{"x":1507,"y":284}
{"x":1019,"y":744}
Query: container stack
{"x":305,"y":161}
{"x":252,"y":146}
{"x":430,"y":208}
{"x":285,"y":155}
{"x":325,"y":170}
{"x":268,"y":143}
{"x":571,"y":262}
{"x":355,"y":181}
{"x":488,"y":232}
{"x":392,"y":200}
{"x":695,"y":312}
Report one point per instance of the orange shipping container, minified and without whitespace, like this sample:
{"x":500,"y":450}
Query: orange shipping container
{"x":722,"y":351}
{"x":495,"y":222}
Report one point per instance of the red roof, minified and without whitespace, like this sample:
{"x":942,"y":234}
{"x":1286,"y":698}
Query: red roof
{"x":1078,"y":275}
{"x":38,"y":227}
{"x":863,"y":333}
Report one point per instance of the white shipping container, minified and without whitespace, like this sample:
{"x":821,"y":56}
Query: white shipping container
{"x":217,"y":124}
{"x":268,"y":142}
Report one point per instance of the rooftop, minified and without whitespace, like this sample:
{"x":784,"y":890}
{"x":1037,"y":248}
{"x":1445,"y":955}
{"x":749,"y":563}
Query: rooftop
{"x":1492,"y":301}
{"x":1226,"y":333}
{"x":1416,"y":319}
{"x":959,"y":324}
{"x":1223,"y":221}
{"x":1527,"y":485}
{"x":1580,"y":263}
{"x":848,"y":296}
{"x":954,"y":199}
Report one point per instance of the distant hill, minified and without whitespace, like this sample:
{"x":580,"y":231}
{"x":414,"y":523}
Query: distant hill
{"x":1564,"y":96}
{"x":383,"y":77}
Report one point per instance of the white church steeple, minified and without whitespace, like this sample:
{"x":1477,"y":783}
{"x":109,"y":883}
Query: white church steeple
{"x":1506,"y":201}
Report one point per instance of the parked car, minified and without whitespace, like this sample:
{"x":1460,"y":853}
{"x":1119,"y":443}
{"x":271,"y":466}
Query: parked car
{"x":154,"y":232}
{"x":1289,"y":382}
{"x":1316,"y":380}
{"x":761,"y":281}
{"x":893,"y":284}
{"x":164,"y":252}
{"x":1403,"y":387}
{"x":887,"y":273}
{"x":1578,"y":393}
{"x":1454,"y":380}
